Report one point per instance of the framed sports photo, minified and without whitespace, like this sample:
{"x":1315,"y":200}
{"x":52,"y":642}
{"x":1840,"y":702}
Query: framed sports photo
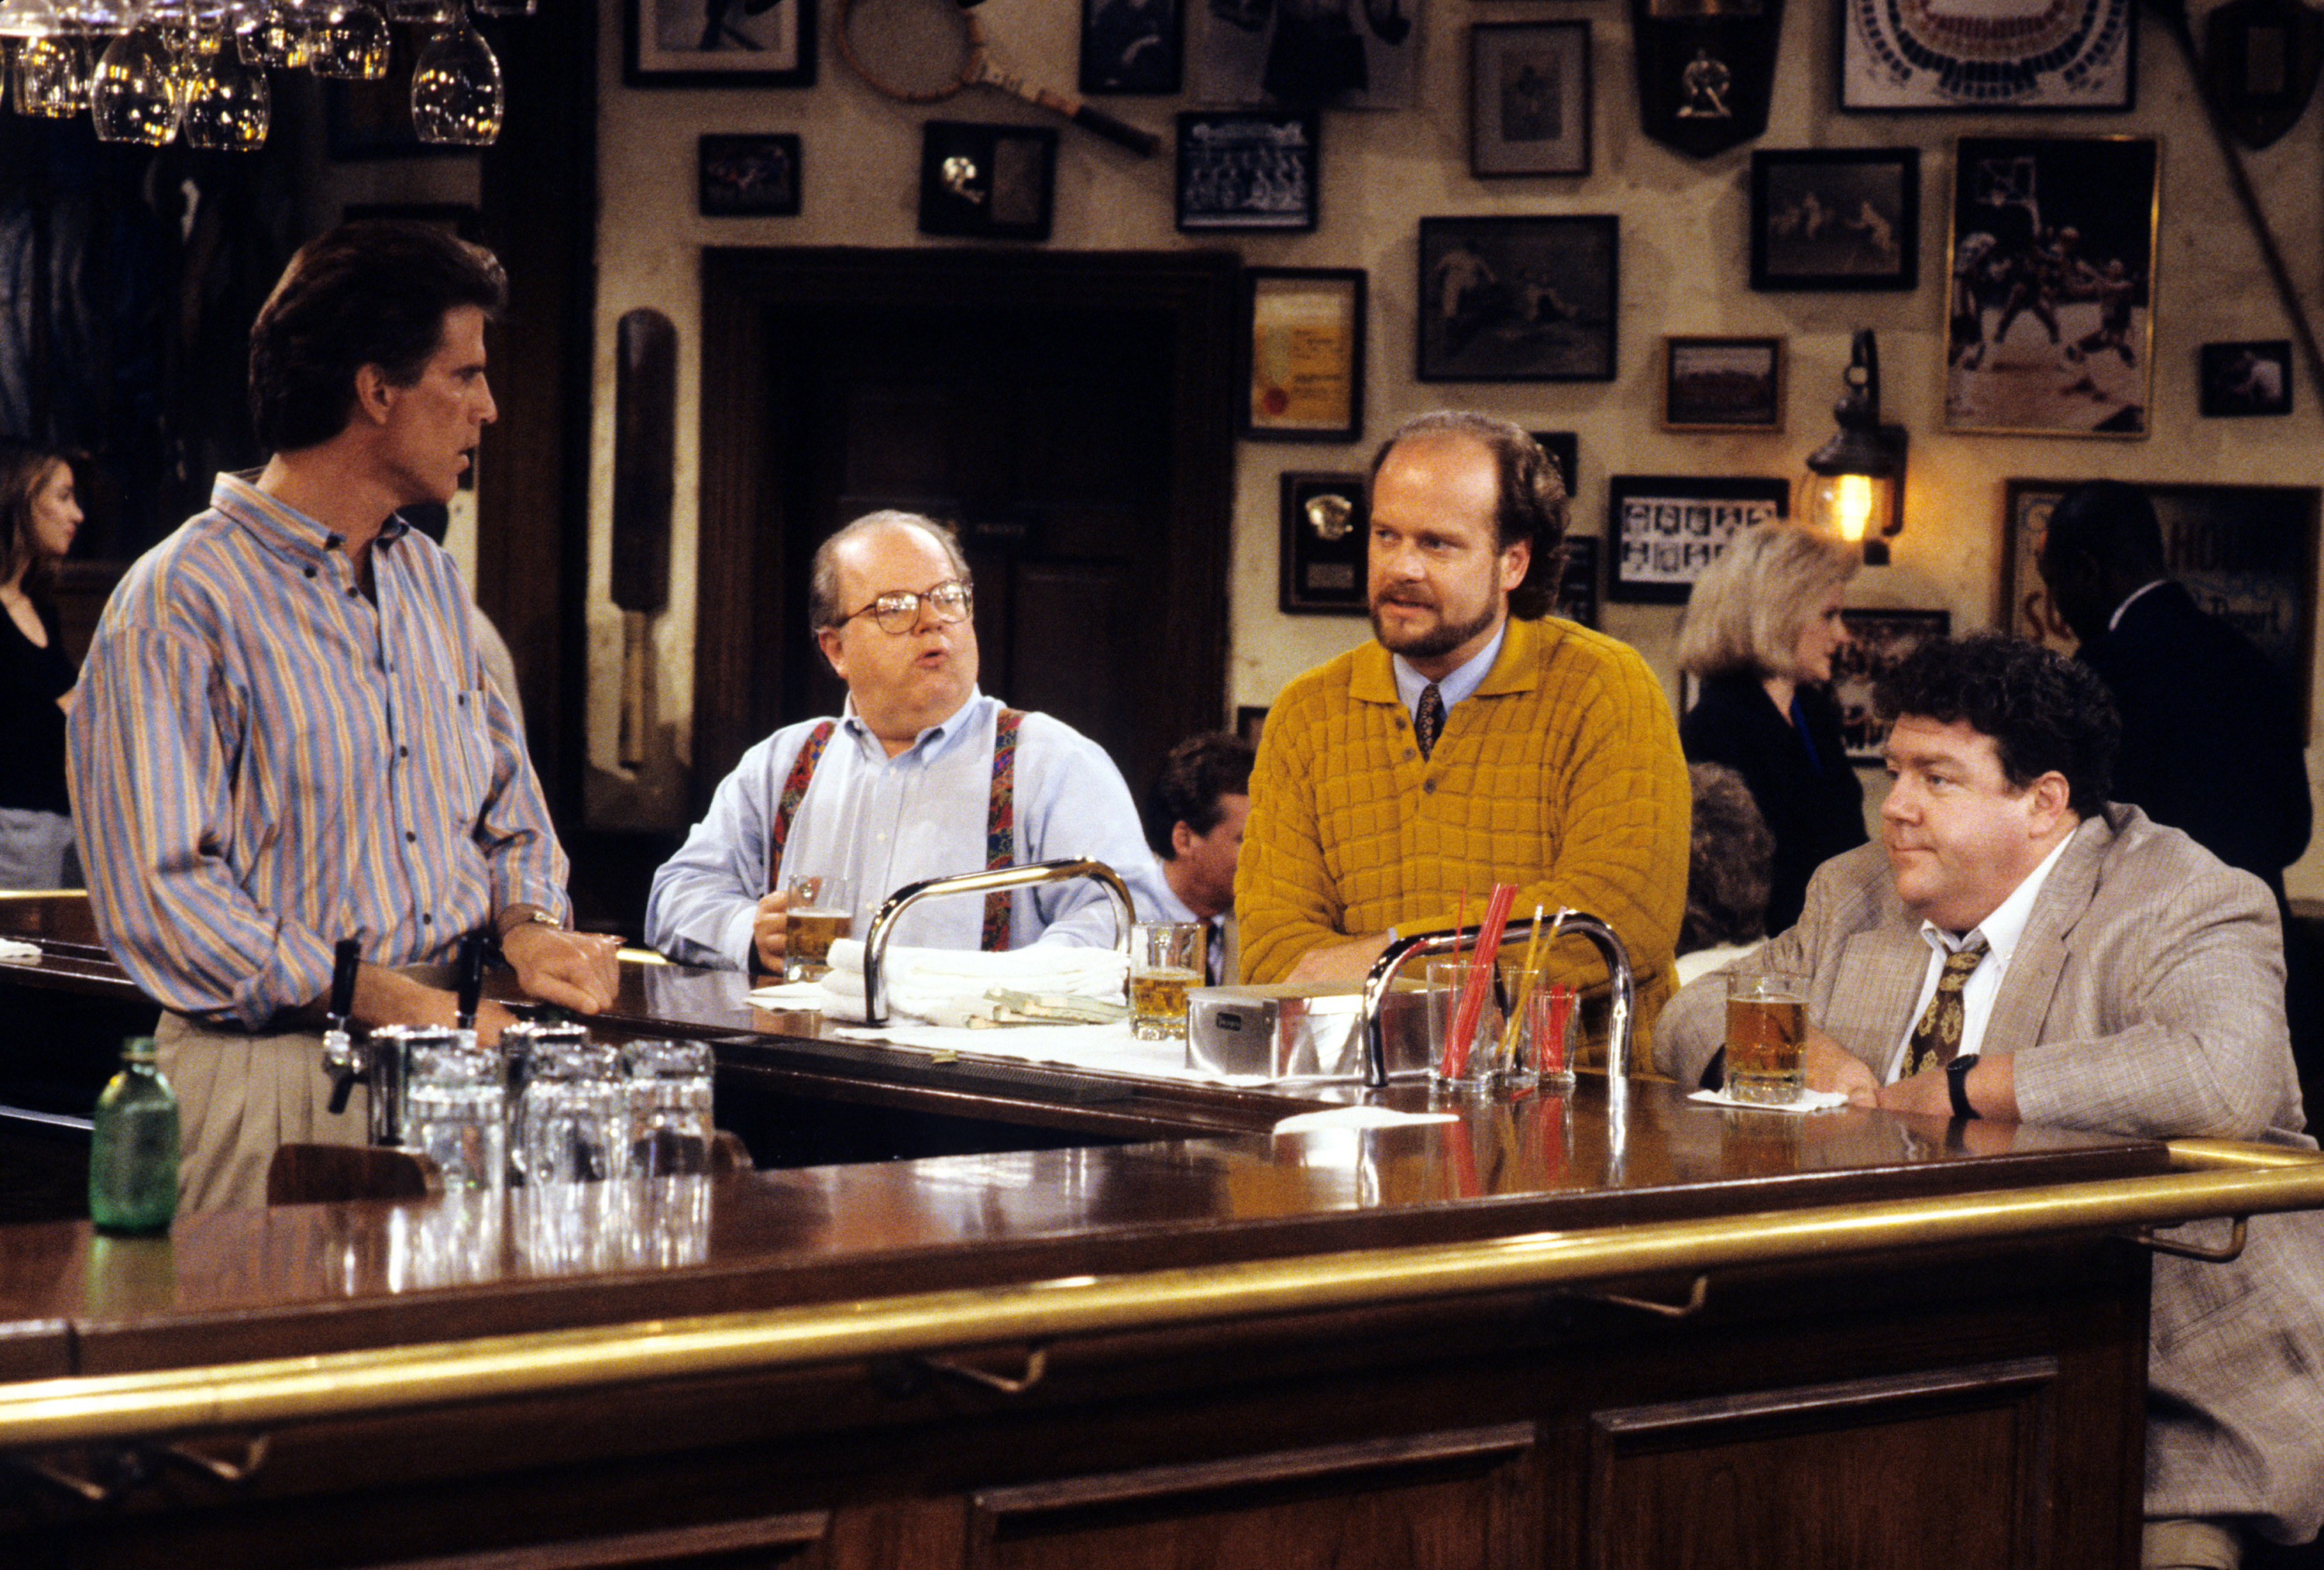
{"x":1132,"y":46}
{"x":1528,"y":98}
{"x":2049,"y":326}
{"x":2239,"y":379}
{"x":1723,"y":384}
{"x":2066,"y":55}
{"x":1324,"y":545}
{"x":713,"y":43}
{"x":1248,"y":169}
{"x":1519,"y":299}
{"x":1663,"y":529}
{"x":992,"y":182}
{"x":1878,"y":640}
{"x":747,"y":177}
{"x":1835,"y":219}
{"x":1306,"y":337}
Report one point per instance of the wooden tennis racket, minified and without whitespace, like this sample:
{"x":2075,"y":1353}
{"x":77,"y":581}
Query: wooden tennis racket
{"x":923,"y":52}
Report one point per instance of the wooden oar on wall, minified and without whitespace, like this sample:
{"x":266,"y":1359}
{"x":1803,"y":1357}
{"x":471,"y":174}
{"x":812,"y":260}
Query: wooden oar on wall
{"x":645,"y":430}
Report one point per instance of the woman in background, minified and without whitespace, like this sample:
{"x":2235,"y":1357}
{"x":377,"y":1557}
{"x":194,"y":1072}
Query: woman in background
{"x":38,"y":518}
{"x":1761,"y":628}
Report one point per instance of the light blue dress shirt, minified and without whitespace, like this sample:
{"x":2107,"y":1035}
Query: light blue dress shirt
{"x":887,"y":822}
{"x":1460,"y":682}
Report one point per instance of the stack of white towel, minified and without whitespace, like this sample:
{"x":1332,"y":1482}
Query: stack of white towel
{"x":953,"y":986}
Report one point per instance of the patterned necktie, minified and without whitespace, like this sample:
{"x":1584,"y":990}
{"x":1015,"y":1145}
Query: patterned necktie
{"x":1937,"y":1039}
{"x":1430,"y":721}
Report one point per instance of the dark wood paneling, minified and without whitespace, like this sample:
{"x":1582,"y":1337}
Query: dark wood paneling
{"x":764,"y":1544}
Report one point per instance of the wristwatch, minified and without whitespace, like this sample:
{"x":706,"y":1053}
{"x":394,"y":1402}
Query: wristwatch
{"x":534,"y":916}
{"x":1957,"y":1084}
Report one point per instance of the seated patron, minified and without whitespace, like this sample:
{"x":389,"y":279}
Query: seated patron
{"x":1728,"y":856}
{"x":1194,"y":815}
{"x":1476,"y":739}
{"x":920,"y":776}
{"x":2019,"y":949}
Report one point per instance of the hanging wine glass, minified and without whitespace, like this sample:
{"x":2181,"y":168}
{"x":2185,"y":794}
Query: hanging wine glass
{"x":227,"y":104}
{"x":277,"y":37}
{"x":456,"y":89}
{"x":27,"y":18}
{"x":96,"y":17}
{"x":348,"y":40}
{"x":133,"y":91}
{"x":51,"y":77}
{"x":503,"y":7}
{"x":424,"y":13}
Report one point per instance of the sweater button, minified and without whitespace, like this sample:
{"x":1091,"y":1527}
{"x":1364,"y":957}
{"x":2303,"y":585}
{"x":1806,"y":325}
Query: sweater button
{"x":1409,"y":753}
{"x":1428,"y":787}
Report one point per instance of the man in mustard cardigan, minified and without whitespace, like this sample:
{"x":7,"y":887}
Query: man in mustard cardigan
{"x":1475,"y":741}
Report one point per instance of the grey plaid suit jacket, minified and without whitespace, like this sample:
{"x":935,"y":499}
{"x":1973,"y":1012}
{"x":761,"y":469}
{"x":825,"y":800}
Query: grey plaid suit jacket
{"x":2144,"y":998}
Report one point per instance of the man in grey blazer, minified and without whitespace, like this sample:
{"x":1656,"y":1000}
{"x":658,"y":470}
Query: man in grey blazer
{"x":2017,"y":948}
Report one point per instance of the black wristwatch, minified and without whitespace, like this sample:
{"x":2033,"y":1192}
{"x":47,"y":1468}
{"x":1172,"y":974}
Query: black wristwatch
{"x":1957,"y":1084}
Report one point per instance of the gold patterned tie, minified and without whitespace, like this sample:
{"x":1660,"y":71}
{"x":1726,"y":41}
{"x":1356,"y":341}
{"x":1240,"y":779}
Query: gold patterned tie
{"x":1937,"y":1038}
{"x":1430,"y":721}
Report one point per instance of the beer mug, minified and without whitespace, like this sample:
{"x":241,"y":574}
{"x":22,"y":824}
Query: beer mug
{"x":820,"y":912}
{"x":1766,"y":1034}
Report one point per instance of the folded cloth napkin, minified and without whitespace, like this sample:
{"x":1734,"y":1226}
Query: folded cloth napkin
{"x":949,"y":986}
{"x":1809,"y":1101}
{"x":10,"y":949}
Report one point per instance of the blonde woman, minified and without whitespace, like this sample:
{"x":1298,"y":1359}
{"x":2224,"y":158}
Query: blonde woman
{"x":1761,"y":628}
{"x":38,"y":517}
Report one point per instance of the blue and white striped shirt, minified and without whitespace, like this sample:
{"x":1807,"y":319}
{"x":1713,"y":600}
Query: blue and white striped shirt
{"x":264,"y":761}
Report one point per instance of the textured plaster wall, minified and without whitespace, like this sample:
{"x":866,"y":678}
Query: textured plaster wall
{"x":1684,"y":270}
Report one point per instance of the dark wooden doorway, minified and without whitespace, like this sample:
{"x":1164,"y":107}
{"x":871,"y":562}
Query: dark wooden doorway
{"x":1071,"y":412}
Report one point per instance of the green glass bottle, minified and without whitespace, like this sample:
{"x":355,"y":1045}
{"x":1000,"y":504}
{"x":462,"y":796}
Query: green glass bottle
{"x":133,"y":1157}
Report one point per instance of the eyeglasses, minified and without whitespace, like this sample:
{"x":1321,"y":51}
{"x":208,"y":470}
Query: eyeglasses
{"x":897,"y":611}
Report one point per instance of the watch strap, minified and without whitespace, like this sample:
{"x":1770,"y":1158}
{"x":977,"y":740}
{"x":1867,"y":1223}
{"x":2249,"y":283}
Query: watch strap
{"x":1957,"y":1084}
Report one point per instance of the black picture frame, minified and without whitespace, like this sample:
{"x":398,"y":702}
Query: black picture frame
{"x":1133,"y":46}
{"x":2080,"y":57}
{"x":1519,"y":299}
{"x":1249,"y":169}
{"x":746,"y":44}
{"x":1577,"y":580}
{"x":1722,"y":384}
{"x":1304,"y":331}
{"x":1835,"y":219}
{"x":1323,"y":545}
{"x":1879,"y":640}
{"x":1663,"y":529}
{"x":1564,"y":450}
{"x":747,"y":176}
{"x":987,"y":182}
{"x":2247,"y":553}
{"x":2245,"y":378}
{"x":1530,"y":98}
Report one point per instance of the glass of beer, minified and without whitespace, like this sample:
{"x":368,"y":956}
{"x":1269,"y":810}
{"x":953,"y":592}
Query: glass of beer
{"x":1165,"y":958}
{"x":1767,"y":1028}
{"x":821,"y":910}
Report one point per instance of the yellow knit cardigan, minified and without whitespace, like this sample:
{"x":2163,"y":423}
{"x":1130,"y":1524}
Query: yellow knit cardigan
{"x":1561,"y":774}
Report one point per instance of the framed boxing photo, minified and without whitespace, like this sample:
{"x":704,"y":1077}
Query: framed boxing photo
{"x":1663,"y":529}
{"x":1835,"y":219}
{"x":1723,"y":384}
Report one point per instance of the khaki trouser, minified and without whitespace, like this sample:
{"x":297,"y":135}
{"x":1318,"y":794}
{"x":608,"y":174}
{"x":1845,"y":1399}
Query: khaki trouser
{"x":240,"y":1094}
{"x":2190,"y":1543}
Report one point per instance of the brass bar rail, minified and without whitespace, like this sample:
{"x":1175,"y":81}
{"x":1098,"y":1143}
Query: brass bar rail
{"x":2218,"y":1179}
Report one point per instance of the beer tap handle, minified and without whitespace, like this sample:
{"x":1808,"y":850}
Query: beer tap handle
{"x":346,"y":960}
{"x":471,"y":978}
{"x":338,"y":1046}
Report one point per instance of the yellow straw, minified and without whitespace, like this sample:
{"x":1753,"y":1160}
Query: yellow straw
{"x":1524,"y":972}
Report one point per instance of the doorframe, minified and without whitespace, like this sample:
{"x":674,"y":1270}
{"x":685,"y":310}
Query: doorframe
{"x":745,"y":506}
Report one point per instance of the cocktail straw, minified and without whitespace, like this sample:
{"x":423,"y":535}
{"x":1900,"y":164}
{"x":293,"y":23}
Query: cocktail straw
{"x":1473,"y":995}
{"x":1526,"y":974}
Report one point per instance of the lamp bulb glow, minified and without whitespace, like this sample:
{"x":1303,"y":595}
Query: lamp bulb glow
{"x":1851,"y":505}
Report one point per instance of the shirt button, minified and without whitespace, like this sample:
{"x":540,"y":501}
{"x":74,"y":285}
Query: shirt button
{"x":410,"y":838}
{"x":425,"y":919}
{"x":311,"y":571}
{"x":403,"y":752}
{"x":352,"y":590}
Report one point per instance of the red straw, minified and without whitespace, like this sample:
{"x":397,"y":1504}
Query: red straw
{"x":1481,"y":972}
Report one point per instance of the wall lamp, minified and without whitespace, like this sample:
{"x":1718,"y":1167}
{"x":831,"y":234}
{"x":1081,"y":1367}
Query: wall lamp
{"x":1856,"y":480}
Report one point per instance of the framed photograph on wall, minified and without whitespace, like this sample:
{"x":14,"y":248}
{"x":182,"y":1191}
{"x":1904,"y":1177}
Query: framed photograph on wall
{"x":716,"y":43}
{"x":1577,"y":580}
{"x":1723,"y":384}
{"x":2066,"y":55}
{"x":1307,"y":338}
{"x":2050,"y":330}
{"x":2240,"y":379}
{"x":1528,"y":98}
{"x":1836,"y":218}
{"x":1878,"y":640}
{"x":989,"y":182}
{"x":747,"y":177}
{"x":1323,"y":545}
{"x":1248,"y":169}
{"x":1363,"y":56}
{"x":1663,"y":529}
{"x":1132,"y":46}
{"x":1519,"y":299}
{"x":1564,"y":450}
{"x":2247,"y":553}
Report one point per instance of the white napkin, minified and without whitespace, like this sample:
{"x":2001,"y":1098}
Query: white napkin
{"x":1358,"y":1117}
{"x":10,"y":949}
{"x":947,"y":986}
{"x":1809,"y":1101}
{"x":792,"y":995}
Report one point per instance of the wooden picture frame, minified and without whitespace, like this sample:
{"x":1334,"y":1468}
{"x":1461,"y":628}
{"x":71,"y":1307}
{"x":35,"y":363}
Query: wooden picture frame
{"x":1722,"y":384}
{"x":718,"y":43}
{"x":1529,"y":99}
{"x":1663,"y":529}
{"x":1248,"y":168}
{"x":1133,"y":46}
{"x":2246,"y":379}
{"x":2077,"y":56}
{"x":1519,"y":299}
{"x":2049,"y":326}
{"x":747,"y":176}
{"x":1305,"y":333}
{"x":2247,"y":553}
{"x":1323,"y":545}
{"x":1835,"y":219}
{"x":1878,"y":640}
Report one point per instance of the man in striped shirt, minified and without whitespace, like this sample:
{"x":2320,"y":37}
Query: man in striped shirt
{"x":284,"y":736}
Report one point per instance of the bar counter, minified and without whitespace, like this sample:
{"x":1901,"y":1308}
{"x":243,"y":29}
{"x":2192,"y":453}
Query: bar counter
{"x":1613,"y":1327}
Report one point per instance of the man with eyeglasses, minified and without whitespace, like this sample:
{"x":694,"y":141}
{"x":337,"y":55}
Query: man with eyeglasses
{"x":922,"y":776}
